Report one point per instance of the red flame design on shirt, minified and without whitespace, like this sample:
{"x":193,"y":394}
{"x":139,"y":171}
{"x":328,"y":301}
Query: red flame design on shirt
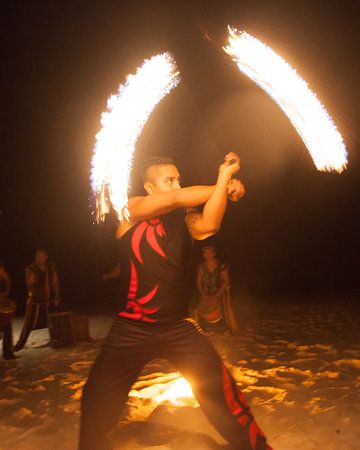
{"x":134,"y":307}
{"x":149,"y":227}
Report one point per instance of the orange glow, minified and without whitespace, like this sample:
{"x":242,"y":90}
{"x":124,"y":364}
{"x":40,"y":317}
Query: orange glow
{"x":171,"y":388}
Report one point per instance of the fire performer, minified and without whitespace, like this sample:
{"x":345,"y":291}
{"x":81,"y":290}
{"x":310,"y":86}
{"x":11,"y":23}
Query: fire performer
{"x":155,"y":245}
{"x":42,"y":282}
{"x":214,"y":311}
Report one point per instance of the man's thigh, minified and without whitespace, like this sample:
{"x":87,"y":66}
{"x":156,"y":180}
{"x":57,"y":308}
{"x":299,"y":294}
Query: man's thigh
{"x":191,"y":352}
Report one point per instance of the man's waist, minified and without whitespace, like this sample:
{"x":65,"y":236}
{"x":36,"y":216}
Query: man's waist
{"x":161,"y":317}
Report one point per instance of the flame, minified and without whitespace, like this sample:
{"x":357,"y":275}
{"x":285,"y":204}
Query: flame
{"x":291,"y":92}
{"x":121,"y":125}
{"x":171,"y":388}
{"x":178,"y":390}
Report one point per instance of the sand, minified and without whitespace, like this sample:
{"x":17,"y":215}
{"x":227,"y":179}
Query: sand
{"x":297,"y":360}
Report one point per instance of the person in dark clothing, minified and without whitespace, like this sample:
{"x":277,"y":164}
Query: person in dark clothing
{"x":42,"y":282}
{"x":213,"y":311}
{"x":152,"y":320}
{"x":7,"y":309}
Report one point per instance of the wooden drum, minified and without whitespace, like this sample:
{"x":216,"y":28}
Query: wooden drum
{"x":61,"y":327}
{"x":7,"y":310}
{"x":81,"y":327}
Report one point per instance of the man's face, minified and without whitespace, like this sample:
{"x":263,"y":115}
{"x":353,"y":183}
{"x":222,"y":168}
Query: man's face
{"x":209,"y":253}
{"x":41,"y":257}
{"x":162,"y":178}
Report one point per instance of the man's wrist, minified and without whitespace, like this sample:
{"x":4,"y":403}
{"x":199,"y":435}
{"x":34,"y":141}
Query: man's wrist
{"x":224,"y":177}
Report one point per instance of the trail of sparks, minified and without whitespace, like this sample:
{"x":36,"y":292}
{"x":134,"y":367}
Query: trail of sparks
{"x":121,"y":125}
{"x":291,"y":92}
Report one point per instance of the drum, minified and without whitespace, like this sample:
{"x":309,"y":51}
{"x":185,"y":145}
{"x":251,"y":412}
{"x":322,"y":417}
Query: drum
{"x":210,"y":308}
{"x":81,"y":327}
{"x":61,"y":328}
{"x":7,"y":310}
{"x":212,"y":316}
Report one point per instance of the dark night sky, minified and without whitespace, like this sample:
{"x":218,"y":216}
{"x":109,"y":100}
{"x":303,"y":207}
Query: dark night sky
{"x":296,"y":229}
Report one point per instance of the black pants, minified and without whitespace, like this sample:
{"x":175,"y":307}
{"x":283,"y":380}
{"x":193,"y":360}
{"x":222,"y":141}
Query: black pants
{"x":117,"y":367}
{"x":7,"y":340}
{"x":36,"y":317}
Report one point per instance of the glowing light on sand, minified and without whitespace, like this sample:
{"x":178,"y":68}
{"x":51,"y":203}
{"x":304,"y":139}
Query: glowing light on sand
{"x":121,"y":125}
{"x":178,"y":390}
{"x":291,"y":92}
{"x":171,"y":388}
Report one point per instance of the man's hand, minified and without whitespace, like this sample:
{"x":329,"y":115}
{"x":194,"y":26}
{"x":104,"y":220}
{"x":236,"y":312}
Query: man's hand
{"x":236,"y":190}
{"x":231,"y":164}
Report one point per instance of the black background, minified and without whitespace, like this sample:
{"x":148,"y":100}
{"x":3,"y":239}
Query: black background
{"x":295,"y":231}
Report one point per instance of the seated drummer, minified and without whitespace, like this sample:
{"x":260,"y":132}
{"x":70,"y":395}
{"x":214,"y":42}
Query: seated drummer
{"x":7,"y":309}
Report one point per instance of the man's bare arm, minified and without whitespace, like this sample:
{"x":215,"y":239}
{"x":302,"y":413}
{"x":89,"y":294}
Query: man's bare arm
{"x":149,"y":206}
{"x":202,"y":225}
{"x":30,"y":281}
{"x":199,"y":283}
{"x":224,"y":281}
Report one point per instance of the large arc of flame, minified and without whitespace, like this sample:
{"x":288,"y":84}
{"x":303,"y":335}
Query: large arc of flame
{"x":121,"y":125}
{"x":131,"y":107}
{"x":276,"y":77}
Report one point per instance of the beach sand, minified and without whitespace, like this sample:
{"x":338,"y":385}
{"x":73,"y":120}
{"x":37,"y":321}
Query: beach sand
{"x":297,"y":361}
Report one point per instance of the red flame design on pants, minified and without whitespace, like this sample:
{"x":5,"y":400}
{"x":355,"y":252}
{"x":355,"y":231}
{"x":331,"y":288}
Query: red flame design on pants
{"x":240,"y":409}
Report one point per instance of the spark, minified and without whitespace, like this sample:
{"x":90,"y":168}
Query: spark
{"x":121,"y":125}
{"x":275,"y":76}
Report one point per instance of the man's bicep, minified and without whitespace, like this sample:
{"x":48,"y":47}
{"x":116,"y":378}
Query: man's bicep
{"x":142,"y":208}
{"x":30,"y":279}
{"x":196,"y":226}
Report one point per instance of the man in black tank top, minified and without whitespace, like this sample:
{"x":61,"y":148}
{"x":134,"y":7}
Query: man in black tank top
{"x":152,"y":321}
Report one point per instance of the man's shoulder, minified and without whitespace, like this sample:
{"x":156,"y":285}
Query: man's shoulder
{"x":223,"y":265}
{"x":135,"y":198}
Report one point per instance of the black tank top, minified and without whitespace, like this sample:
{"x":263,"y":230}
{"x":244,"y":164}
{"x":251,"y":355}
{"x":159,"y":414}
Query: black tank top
{"x":155,"y":257}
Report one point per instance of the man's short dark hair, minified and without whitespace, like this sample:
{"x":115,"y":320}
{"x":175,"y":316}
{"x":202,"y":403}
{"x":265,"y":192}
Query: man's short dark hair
{"x":155,"y":161}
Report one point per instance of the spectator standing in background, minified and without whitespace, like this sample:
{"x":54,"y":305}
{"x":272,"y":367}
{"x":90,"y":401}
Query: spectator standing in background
{"x":42,"y":282}
{"x":214,"y":312}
